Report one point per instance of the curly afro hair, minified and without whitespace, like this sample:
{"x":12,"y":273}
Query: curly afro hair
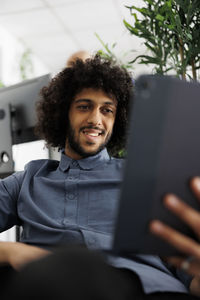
{"x":97,"y":73}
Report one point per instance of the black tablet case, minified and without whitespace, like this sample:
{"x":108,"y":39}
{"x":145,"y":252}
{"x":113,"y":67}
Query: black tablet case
{"x":163,"y":154}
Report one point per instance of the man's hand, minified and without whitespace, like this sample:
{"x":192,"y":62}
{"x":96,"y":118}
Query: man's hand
{"x":19,"y":254}
{"x":183,"y":243}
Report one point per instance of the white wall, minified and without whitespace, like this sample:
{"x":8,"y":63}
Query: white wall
{"x":11,"y":51}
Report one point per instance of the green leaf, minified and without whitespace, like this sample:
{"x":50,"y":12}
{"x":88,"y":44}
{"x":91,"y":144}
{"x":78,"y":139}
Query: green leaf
{"x":160,"y":18}
{"x":189,"y":36}
{"x":151,"y":2}
{"x":131,"y":28}
{"x":135,"y":17}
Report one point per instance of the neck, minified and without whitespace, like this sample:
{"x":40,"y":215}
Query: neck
{"x":72,"y":154}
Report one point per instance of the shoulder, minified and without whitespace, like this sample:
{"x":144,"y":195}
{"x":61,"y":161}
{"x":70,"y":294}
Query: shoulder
{"x":41,"y":165}
{"x":117,"y":162}
{"x":115,"y":166}
{"x":12,"y":184}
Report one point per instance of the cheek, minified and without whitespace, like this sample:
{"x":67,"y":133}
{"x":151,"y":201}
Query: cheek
{"x":111,"y":125}
{"x":74,"y":121}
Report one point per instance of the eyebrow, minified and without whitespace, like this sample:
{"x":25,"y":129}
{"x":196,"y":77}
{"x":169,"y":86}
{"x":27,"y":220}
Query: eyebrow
{"x":89,"y":101}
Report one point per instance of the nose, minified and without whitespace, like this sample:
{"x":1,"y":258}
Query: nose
{"x":94,"y":117}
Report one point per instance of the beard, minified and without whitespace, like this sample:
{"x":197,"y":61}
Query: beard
{"x":75,"y":145}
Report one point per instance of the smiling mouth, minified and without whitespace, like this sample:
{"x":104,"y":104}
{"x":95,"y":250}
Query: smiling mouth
{"x":94,"y":134}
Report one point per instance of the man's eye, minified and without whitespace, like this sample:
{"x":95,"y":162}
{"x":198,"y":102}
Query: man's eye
{"x":83,"y":107}
{"x":108,"y":111}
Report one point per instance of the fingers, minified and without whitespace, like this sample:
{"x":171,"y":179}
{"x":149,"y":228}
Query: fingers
{"x":190,"y":265}
{"x":195,"y":185}
{"x":181,"y":242}
{"x":189,"y":215}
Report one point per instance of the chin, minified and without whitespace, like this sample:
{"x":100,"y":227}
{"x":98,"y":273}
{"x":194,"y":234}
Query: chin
{"x":92,"y":152}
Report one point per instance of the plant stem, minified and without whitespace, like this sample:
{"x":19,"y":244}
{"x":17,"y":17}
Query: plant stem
{"x":194,"y":72}
{"x":181,"y":51}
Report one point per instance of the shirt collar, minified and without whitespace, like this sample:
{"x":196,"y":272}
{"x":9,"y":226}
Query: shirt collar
{"x":87,"y":163}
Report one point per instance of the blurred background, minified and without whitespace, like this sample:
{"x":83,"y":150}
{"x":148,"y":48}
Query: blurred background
{"x":43,"y":33}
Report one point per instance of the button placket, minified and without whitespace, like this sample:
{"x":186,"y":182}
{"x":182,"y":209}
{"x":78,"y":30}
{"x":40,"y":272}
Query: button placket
{"x":71,"y":196}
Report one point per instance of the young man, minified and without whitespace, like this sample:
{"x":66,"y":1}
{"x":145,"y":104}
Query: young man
{"x":84,"y":112}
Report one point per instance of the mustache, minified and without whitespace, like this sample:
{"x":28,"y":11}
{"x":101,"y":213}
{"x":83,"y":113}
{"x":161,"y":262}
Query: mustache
{"x":92,"y":127}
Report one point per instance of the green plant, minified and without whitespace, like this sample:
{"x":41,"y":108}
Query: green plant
{"x":108,"y":52}
{"x":170,"y":31}
{"x":26,"y":65}
{"x":2,"y":84}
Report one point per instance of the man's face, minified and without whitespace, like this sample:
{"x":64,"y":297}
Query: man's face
{"x":91,"y":120}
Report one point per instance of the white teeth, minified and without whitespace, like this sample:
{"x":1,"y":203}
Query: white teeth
{"x":91,"y":133}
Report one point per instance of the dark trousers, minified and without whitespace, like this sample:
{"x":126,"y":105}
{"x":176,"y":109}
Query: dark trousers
{"x":75,"y":273}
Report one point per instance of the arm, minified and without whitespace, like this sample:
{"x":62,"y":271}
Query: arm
{"x":18,"y":254}
{"x":14,"y":254}
{"x":183,"y":243}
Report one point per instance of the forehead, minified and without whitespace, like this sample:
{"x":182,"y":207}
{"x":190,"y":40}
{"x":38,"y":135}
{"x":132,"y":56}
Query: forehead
{"x":97,"y":96}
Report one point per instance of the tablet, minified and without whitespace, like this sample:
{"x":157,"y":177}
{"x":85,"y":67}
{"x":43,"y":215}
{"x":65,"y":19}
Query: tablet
{"x":163,"y":153}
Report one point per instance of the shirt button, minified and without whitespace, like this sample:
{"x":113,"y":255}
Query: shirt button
{"x":70,"y":178}
{"x":71,"y":196}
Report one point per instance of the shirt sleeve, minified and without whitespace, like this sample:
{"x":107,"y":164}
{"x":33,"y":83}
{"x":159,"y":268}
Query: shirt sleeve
{"x":9,"y":191}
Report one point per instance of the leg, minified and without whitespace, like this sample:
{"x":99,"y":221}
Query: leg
{"x":74,"y":273}
{"x":170,"y":296}
{"x":6,"y":275}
